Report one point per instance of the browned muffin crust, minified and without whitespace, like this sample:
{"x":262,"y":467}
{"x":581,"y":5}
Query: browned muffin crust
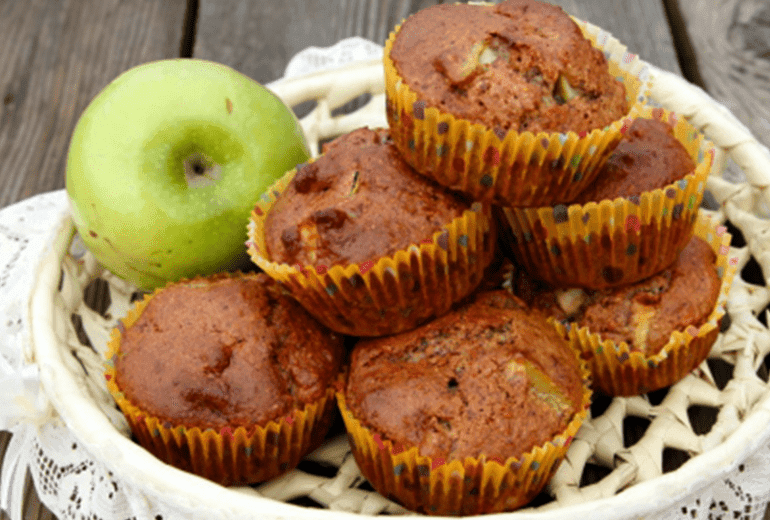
{"x":225,"y":351}
{"x":648,"y":157}
{"x":491,"y":378}
{"x":359,"y":201}
{"x":644,"y":314}
{"x":520,"y":65}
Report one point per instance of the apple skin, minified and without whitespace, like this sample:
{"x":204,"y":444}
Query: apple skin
{"x":141,"y":138}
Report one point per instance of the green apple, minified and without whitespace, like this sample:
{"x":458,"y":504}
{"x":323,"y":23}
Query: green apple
{"x":166,"y":163}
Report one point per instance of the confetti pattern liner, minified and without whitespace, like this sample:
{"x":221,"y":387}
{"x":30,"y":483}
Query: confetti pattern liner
{"x":515,"y":168}
{"x":458,"y":487}
{"x":615,"y":242}
{"x":229,"y":456}
{"x":390,"y":294}
{"x":621,"y":370}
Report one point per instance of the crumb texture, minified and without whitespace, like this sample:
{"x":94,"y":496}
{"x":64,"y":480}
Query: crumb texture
{"x":491,"y":378}
{"x":225,"y":351}
{"x":520,"y":65}
{"x":358,"y":202}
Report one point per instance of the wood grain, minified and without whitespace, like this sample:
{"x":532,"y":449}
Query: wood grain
{"x":32,"y":508}
{"x":56,"y":56}
{"x":731,"y":43}
{"x":5,"y":438}
{"x":257,"y":38}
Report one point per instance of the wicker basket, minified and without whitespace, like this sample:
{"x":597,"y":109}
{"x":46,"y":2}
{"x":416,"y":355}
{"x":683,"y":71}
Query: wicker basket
{"x":69,"y":335}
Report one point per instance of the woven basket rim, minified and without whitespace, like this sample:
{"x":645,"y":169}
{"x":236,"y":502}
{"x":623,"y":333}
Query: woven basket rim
{"x":132,"y":463}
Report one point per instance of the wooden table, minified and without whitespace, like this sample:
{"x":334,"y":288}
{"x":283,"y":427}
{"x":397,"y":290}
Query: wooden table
{"x":56,"y":55}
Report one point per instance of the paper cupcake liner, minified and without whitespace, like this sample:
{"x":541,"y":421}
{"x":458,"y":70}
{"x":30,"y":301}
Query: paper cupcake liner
{"x":621,"y":370}
{"x":509,"y":168}
{"x":390,"y":294}
{"x":458,"y":487}
{"x":615,"y":242}
{"x":228,"y":456}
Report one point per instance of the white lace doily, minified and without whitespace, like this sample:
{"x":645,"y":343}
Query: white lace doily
{"x":73,"y":484}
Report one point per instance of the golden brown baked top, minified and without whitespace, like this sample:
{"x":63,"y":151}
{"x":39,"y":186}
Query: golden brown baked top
{"x":644,"y":314}
{"x":648,"y":157}
{"x":359,"y":201}
{"x":520,"y":65}
{"x":491,"y":378}
{"x":225,"y":351}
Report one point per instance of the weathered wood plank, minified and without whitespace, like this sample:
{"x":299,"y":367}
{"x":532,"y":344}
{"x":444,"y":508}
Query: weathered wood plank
{"x":731,"y":43}
{"x":259,"y":37}
{"x":56,"y":56}
{"x":5,"y":438}
{"x":33,"y":508}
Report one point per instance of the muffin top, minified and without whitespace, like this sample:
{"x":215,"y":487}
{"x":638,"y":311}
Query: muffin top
{"x":491,"y":378}
{"x":225,"y":351}
{"x":519,"y":65}
{"x":648,"y":157}
{"x":643,"y":314}
{"x":359,"y":201}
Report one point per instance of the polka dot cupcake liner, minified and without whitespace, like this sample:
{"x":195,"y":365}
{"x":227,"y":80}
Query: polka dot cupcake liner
{"x":390,"y":294}
{"x":230,"y":455}
{"x":470,"y":486}
{"x":620,"y":370}
{"x":615,"y":242}
{"x":508,"y":168}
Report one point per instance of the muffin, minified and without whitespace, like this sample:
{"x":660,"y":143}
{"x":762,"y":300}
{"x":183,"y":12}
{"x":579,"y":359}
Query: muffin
{"x":468,"y":414}
{"x":633,"y":221}
{"x":647,"y":158}
{"x":225,"y":376}
{"x":514,"y":103}
{"x":367,"y":245}
{"x":520,"y":65}
{"x":650,"y":334}
{"x":357,"y":203}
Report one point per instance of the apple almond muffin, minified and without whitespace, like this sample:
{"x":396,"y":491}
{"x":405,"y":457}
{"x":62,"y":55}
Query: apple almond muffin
{"x":514,"y":103}
{"x":648,"y":157}
{"x":642,"y":314}
{"x":634,"y":219}
{"x":358,"y":202}
{"x":650,"y":334}
{"x":467,"y":414}
{"x":366,"y":244}
{"x":519,"y":65}
{"x":225,"y":376}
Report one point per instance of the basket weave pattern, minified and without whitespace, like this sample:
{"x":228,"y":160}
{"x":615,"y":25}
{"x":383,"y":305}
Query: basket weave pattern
{"x":89,"y":300}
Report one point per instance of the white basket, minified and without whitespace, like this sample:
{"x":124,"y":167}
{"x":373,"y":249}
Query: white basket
{"x":635,"y":486}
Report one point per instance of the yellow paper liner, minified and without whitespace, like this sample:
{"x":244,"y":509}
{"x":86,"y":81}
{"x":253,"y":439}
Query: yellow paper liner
{"x":390,"y":294}
{"x":621,"y":370}
{"x":615,"y":242}
{"x":460,"y":487}
{"x":228,"y":456}
{"x":513,"y":168}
